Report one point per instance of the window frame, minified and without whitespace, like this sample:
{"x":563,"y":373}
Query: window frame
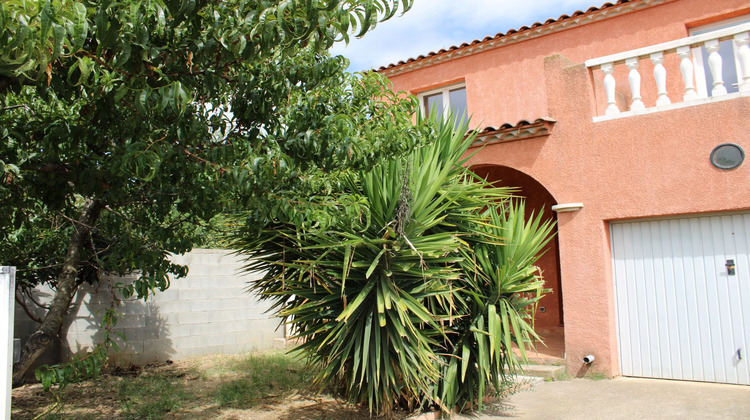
{"x":701,"y":68}
{"x":445,"y":92}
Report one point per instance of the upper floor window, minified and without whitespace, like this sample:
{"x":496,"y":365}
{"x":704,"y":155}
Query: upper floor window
{"x":446,"y":100}
{"x":730,"y":71}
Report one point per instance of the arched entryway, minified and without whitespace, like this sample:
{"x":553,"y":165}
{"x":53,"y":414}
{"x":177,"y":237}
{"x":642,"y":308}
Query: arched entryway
{"x":549,"y":316}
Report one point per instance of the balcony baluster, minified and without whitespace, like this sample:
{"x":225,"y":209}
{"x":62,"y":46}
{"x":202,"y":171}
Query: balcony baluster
{"x":686,"y":68}
{"x":660,"y":76}
{"x":634,"y":78}
{"x":715,"y":64}
{"x":609,"y":88}
{"x":743,"y":53}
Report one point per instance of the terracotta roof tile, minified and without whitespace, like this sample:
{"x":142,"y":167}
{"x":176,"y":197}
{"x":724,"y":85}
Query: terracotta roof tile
{"x":523,"y":129}
{"x":510,"y":32}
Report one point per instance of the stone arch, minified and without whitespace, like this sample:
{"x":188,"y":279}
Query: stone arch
{"x":549,"y":316}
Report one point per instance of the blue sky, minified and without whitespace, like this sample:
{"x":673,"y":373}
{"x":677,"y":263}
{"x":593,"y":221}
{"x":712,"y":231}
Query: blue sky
{"x":434,"y":24}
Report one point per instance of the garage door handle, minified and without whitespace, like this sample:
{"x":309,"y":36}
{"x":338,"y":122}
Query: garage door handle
{"x":730,"y":267}
{"x":739,"y":354}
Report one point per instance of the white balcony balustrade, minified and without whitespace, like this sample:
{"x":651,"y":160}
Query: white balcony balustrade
{"x":698,"y":61}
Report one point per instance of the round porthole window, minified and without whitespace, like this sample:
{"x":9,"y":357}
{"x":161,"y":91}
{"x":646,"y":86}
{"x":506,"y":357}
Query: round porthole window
{"x":727,"y":156}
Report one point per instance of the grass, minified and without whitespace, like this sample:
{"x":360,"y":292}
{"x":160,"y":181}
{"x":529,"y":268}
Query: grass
{"x":596,"y":376}
{"x":266,"y":385}
{"x":259,"y":377}
{"x":564,"y":376}
{"x":204,"y":387}
{"x":152,"y":396}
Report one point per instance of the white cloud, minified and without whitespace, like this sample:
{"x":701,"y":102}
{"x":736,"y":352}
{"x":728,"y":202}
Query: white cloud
{"x":435,"y":24}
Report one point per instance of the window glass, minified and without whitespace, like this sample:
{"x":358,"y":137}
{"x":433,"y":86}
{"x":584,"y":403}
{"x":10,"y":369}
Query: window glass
{"x":728,"y":67}
{"x":433,"y":102}
{"x":729,"y":70}
{"x":457,"y":98}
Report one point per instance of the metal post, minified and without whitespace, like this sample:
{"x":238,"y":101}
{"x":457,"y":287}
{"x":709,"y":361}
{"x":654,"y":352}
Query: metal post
{"x":7,"y":292}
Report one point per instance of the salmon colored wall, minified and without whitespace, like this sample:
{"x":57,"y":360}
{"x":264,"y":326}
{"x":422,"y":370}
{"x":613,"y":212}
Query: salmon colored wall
{"x":506,"y":84}
{"x":642,"y":166}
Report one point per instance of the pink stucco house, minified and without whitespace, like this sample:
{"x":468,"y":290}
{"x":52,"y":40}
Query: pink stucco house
{"x":628,"y":123}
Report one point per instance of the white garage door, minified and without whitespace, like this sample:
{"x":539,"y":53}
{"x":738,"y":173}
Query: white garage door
{"x":682,"y":295}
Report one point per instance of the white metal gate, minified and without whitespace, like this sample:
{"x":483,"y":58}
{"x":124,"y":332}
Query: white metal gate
{"x":682,"y":295}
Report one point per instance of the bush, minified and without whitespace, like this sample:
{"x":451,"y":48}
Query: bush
{"x":415,"y":290}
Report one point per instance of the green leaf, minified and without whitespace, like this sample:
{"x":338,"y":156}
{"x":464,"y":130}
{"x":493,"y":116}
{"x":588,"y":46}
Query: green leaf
{"x":374,"y":263}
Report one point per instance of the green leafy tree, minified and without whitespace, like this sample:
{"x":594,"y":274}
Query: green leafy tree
{"x":418,"y":289}
{"x":126,"y":125}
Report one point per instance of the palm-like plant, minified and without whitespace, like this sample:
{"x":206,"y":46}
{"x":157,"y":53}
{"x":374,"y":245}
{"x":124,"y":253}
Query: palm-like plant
{"x":417,"y":301}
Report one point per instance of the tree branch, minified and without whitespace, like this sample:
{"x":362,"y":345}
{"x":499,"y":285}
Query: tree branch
{"x":21,"y":301}
{"x":75,"y":222}
{"x":111,"y":210}
{"x":200,"y":159}
{"x":12,"y":107}
{"x":39,"y":304}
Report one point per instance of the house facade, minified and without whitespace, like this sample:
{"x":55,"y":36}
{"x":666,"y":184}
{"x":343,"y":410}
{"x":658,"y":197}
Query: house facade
{"x":628,"y":124}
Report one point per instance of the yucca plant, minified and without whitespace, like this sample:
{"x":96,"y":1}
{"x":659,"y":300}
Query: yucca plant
{"x":418,"y":300}
{"x":501,"y":289}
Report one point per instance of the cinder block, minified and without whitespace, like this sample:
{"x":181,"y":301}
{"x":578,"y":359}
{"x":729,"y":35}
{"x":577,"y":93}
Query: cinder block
{"x":169,"y":307}
{"x":130,"y":347}
{"x":200,"y":281}
{"x":211,"y":305}
{"x":169,"y":295}
{"x":239,"y":303}
{"x":184,"y":343}
{"x":135,"y":307}
{"x":197,"y":351}
{"x":91,"y":310}
{"x":77,"y":342}
{"x":183,"y":259}
{"x":254,"y":314}
{"x":192,"y":318}
{"x":197,"y":294}
{"x":204,"y":329}
{"x":163,"y":346}
{"x":81,"y":324}
{"x":159,"y":321}
{"x":132,"y":321}
{"x":141,"y":334}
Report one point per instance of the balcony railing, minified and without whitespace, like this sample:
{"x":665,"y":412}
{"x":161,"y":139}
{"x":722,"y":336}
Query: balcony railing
{"x":723,"y":48}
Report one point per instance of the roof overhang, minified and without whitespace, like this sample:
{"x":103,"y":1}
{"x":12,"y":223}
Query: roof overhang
{"x":593,"y":14}
{"x":520,"y":131}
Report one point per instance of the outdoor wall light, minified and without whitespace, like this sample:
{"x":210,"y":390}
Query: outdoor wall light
{"x":727,"y":156}
{"x":561,"y":208}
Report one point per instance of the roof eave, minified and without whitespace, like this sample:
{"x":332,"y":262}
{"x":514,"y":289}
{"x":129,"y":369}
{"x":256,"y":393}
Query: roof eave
{"x":606,"y":11}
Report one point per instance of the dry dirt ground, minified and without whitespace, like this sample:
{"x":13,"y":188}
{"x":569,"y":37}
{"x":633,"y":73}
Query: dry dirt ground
{"x":196,"y":381}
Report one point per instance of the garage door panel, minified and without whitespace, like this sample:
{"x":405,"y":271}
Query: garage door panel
{"x":741,"y":229}
{"x":674,"y":315}
{"x":665,"y":286}
{"x":680,"y":314}
{"x":717,"y":304}
{"x":685,"y":298}
{"x":624,"y":312}
{"x":646,"y":318}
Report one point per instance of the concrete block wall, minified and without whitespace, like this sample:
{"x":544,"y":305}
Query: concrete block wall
{"x":209,"y":311}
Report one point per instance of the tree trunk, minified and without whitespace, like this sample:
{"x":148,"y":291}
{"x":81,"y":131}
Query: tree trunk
{"x":66,"y":287}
